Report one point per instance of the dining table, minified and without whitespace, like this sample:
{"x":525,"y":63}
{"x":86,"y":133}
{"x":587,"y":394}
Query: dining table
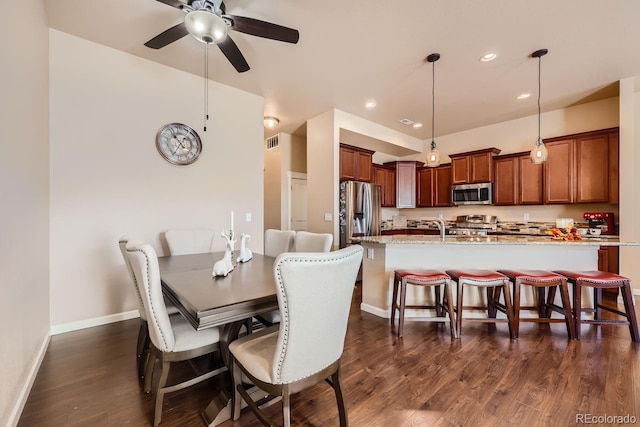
{"x":227,"y":302}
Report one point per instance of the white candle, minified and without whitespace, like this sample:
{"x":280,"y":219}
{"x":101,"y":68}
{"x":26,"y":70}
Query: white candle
{"x":232,"y":220}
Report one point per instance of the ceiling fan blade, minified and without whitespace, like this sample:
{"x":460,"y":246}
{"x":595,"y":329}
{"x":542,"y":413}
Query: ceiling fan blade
{"x":264,"y":29}
{"x":223,"y":8}
{"x":167,"y":37}
{"x":174,"y":3}
{"x":233,"y":54}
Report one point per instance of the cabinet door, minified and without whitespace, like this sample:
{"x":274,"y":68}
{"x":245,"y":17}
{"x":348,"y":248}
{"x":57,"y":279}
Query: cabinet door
{"x":614,"y":163}
{"x":378,"y":178}
{"x":364,"y":166}
{"x":481,"y":168}
{"x":505,"y":187}
{"x":442,"y":186}
{"x":530,"y":182}
{"x":425,"y":187}
{"x":390,"y":188}
{"x":460,"y":170}
{"x":559,"y":172}
{"x":348,"y":164}
{"x":592,"y":168}
{"x":406,"y":185}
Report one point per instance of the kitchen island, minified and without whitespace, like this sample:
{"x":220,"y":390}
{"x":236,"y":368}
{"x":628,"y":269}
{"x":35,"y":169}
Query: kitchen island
{"x":385,"y":254}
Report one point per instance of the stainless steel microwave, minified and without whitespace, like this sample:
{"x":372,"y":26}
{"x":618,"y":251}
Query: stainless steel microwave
{"x":472,"y":194}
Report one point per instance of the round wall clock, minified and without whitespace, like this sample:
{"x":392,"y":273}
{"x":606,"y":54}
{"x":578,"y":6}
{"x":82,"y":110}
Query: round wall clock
{"x":178,"y":144}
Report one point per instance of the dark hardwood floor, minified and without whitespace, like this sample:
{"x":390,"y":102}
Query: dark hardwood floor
{"x":88,"y":378}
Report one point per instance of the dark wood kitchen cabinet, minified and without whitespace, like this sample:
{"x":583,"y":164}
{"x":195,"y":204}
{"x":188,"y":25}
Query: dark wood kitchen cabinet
{"x":434,"y":186}
{"x":405,"y":171}
{"x":473,"y":166}
{"x":582,"y":168}
{"x":517,"y":181}
{"x":355,"y":164}
{"x":385,"y":177}
{"x":608,"y":260}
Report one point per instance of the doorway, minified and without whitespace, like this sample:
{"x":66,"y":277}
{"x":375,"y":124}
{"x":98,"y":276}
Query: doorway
{"x":298,"y":202}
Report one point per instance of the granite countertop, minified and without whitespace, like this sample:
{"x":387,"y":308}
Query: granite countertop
{"x":493,"y":240}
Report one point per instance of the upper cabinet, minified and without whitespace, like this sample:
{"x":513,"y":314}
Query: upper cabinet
{"x":517,"y":181}
{"x":434,"y":186}
{"x":473,"y":166}
{"x":582,"y":168}
{"x":355,"y":164}
{"x":385,"y":177}
{"x":405,"y":182}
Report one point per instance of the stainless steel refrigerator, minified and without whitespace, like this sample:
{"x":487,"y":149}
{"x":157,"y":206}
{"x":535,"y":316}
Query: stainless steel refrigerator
{"x":359,"y":210}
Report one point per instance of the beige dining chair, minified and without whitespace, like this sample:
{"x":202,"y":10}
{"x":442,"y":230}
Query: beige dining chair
{"x":302,"y":351}
{"x":143,"y":342}
{"x":305,"y":241}
{"x":173,"y":339}
{"x":186,"y":241}
{"x":276,"y":242}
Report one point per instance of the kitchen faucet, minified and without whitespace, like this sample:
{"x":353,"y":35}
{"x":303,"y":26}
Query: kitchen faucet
{"x":441,"y":226}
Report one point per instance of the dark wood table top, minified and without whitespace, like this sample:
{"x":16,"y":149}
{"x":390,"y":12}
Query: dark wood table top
{"x":208,"y":301}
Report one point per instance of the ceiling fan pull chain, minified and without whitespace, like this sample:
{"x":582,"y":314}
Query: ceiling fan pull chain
{"x":206,"y":85}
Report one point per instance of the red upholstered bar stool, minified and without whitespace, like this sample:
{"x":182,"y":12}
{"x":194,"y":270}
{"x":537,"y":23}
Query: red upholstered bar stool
{"x":426,"y":278}
{"x":494,"y":282}
{"x":541,"y":280}
{"x":600,"y":280}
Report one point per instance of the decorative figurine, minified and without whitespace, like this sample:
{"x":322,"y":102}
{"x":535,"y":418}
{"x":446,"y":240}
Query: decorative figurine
{"x":245,"y":252}
{"x":225,"y":265}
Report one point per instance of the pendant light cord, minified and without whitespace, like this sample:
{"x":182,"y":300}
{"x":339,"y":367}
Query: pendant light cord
{"x":206,"y":85}
{"x":433,"y":105}
{"x":539,"y":84}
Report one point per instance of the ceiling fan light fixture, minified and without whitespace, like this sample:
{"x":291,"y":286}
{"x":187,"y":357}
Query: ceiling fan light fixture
{"x":206,"y":26}
{"x":271,"y":122}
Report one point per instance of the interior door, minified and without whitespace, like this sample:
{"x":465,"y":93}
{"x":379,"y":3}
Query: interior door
{"x":298,"y":204}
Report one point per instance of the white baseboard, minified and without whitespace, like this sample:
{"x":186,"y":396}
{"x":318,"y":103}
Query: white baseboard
{"x":14,"y":417}
{"x":375,"y":310}
{"x":96,"y":321}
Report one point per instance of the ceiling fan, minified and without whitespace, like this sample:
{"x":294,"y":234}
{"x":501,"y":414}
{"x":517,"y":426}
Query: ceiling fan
{"x":208,"y":22}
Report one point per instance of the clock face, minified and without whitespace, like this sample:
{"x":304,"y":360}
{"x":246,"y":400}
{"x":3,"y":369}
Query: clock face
{"x":178,"y":144}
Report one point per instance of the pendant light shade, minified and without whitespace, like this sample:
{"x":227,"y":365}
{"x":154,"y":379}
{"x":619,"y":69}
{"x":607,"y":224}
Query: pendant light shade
{"x":433,"y":156}
{"x":539,"y":152}
{"x":206,"y":26}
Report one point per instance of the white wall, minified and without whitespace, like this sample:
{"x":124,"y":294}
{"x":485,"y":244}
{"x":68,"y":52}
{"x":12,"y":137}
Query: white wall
{"x":24,"y":190}
{"x":107,"y":178}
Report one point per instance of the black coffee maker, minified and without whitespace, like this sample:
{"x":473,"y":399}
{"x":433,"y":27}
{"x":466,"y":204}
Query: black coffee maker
{"x":602,"y":220}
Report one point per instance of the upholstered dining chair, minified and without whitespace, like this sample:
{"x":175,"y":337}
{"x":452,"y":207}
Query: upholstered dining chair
{"x":189,"y":240}
{"x":173,"y":339}
{"x":276,"y":242}
{"x":302,"y":351}
{"x":143,"y":343}
{"x":305,"y":241}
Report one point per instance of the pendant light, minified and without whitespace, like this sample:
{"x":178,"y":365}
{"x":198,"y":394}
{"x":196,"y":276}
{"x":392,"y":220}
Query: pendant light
{"x":539,"y":152}
{"x":433,"y":156}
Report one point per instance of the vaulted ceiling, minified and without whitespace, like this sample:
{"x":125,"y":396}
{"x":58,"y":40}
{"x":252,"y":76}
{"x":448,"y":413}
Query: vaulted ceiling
{"x":356,"y":50}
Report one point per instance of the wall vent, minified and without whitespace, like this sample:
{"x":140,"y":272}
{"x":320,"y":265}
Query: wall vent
{"x":272,"y":142}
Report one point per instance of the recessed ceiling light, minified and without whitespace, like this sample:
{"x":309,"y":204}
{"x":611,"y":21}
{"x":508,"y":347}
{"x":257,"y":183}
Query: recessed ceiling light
{"x":417,"y":125}
{"x":523,"y":96}
{"x":407,"y":122}
{"x":370,"y":104}
{"x":488,"y":57}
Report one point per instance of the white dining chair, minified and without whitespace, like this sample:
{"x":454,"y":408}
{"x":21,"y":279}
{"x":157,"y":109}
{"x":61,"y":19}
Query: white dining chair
{"x":186,"y":241}
{"x":173,"y":339}
{"x":305,"y":241}
{"x":302,"y":351}
{"x":143,"y":342}
{"x":278,"y":241}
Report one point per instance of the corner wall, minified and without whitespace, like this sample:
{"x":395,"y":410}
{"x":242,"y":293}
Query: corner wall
{"x":24,"y":190}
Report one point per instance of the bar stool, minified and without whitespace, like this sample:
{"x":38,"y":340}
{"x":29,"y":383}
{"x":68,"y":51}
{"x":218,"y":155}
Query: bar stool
{"x":541,"y":280}
{"x":600,"y":280}
{"x":494,"y":282}
{"x":426,"y":278}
